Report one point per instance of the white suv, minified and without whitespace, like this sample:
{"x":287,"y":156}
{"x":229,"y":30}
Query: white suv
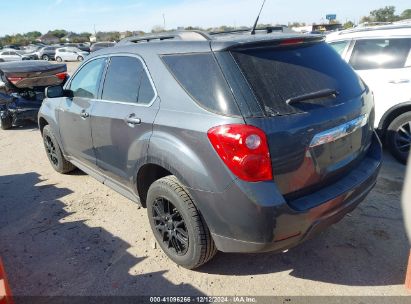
{"x":381,"y":55}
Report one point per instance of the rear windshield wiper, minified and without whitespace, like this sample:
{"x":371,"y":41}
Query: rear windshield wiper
{"x":314,"y":95}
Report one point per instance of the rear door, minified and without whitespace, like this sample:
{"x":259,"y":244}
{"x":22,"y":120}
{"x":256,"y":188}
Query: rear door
{"x":318,"y":115}
{"x":385,"y":65}
{"x":74,"y":113}
{"x":122,"y":120}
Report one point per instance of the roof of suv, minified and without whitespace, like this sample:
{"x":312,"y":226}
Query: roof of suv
{"x":391,"y":30}
{"x":197,"y":41}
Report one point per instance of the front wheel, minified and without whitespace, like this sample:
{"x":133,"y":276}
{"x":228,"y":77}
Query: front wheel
{"x":177,"y":224}
{"x":54,"y":154}
{"x":80,"y":58}
{"x":398,"y":137}
{"x":59,"y":59}
{"x":45,"y":57}
{"x":6,"y":122}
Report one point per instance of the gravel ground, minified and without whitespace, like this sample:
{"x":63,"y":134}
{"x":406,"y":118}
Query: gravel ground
{"x":70,"y":235}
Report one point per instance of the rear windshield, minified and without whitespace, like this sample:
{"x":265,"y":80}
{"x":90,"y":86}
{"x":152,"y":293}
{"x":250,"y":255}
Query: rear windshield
{"x":278,"y":74}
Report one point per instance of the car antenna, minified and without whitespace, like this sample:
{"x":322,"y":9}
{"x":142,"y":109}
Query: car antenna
{"x":256,"y":20}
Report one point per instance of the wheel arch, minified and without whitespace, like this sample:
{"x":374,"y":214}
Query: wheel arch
{"x":42,"y":123}
{"x":391,"y":114}
{"x":146,"y":176}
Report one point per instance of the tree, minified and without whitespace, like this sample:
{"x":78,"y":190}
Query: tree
{"x":348,"y":24}
{"x":58,"y":33}
{"x":406,"y":14}
{"x":386,"y":14}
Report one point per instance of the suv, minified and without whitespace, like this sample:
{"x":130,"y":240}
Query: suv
{"x":381,"y":55}
{"x":237,"y":142}
{"x":47,"y":53}
{"x":101,"y":45}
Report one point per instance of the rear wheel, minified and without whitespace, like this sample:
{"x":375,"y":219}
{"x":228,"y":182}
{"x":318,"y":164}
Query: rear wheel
{"x":54,"y":154}
{"x":6,"y":122}
{"x":59,"y":59}
{"x":45,"y":57}
{"x":398,"y":137}
{"x":177,"y":225}
{"x":80,"y":58}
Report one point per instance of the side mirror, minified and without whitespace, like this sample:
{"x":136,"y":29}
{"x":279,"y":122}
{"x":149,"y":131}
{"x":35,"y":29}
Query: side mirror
{"x":57,"y":91}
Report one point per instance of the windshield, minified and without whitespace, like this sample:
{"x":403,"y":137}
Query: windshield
{"x":279,"y":74}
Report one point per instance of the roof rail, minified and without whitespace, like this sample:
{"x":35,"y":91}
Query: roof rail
{"x":375,"y":28}
{"x":176,"y":35}
{"x":268,"y":29}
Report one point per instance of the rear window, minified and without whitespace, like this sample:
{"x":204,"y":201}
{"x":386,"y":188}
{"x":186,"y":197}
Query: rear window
{"x":278,"y":74}
{"x":202,"y":79}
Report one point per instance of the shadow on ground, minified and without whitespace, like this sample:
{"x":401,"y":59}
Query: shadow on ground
{"x":367,"y":248}
{"x":43,"y":253}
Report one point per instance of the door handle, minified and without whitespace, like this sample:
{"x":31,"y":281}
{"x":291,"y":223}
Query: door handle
{"x":84,"y":114}
{"x":399,"y":81}
{"x":132,"y":120}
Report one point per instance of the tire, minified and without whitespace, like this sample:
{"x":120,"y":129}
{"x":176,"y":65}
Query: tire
{"x":45,"y":57}
{"x":179,"y":213}
{"x":58,"y":59}
{"x":6,"y":122}
{"x":53,"y":151}
{"x":398,"y":137}
{"x":80,"y":58}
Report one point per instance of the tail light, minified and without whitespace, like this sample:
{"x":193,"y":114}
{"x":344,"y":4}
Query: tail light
{"x":62,"y":76}
{"x":244,"y":150}
{"x":14,"y":80}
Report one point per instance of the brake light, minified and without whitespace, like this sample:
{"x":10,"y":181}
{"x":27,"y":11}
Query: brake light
{"x":292,"y":41}
{"x":244,"y":150}
{"x":62,"y":76}
{"x":14,"y":80}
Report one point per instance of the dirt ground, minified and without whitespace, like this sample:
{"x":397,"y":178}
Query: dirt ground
{"x":70,"y":235}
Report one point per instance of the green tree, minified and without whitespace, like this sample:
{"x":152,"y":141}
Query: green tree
{"x":348,"y":24}
{"x":58,"y":33}
{"x":406,"y":14}
{"x":386,"y":14}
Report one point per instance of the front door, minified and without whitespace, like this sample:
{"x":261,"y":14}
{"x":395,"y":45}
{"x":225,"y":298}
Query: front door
{"x":122,"y":120}
{"x":74,"y":119}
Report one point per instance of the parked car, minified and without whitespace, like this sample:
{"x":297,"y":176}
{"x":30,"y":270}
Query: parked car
{"x":381,"y":55}
{"x":82,"y":46}
{"x":258,"y":143}
{"x":47,"y":53}
{"x":70,"y":54}
{"x":22,"y":87}
{"x":12,"y":55}
{"x":101,"y":45}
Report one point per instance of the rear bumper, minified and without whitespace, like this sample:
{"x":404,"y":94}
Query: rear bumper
{"x":254,"y":217}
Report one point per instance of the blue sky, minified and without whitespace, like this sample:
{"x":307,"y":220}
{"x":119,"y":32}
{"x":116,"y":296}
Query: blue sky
{"x":81,"y":15}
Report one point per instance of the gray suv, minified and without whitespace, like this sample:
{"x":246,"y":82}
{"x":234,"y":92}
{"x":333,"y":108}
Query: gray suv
{"x":233,"y":142}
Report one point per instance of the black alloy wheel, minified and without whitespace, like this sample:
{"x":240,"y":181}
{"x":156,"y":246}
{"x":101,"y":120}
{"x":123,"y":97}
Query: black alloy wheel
{"x":170,"y":226}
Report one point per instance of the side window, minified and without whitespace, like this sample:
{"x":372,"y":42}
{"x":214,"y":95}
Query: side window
{"x":86,"y":82}
{"x":201,"y":77}
{"x":339,"y":46}
{"x":127,"y":81}
{"x":380,"y":54}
